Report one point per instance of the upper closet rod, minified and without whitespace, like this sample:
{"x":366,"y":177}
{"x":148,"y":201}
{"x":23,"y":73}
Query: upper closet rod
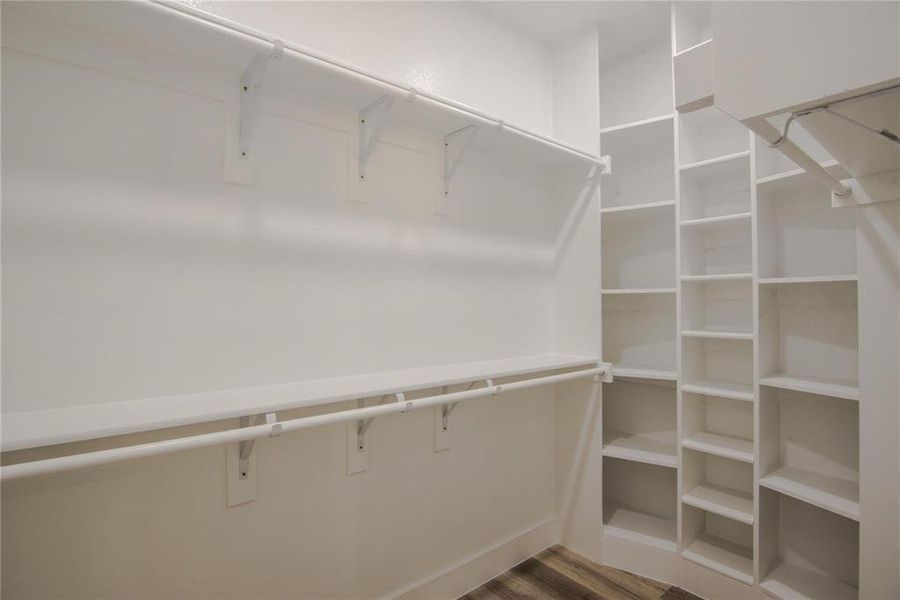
{"x":237,"y":29}
{"x":274,"y":428}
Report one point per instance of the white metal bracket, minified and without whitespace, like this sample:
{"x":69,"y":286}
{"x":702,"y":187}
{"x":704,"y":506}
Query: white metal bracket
{"x":358,"y":442}
{"x":251,"y":86}
{"x":372,"y":121}
{"x":442,"y":429}
{"x":455,"y":146}
{"x":241,"y":463}
{"x":607,"y":376}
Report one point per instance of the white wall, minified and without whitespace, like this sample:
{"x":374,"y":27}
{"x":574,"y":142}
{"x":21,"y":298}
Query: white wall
{"x":130,"y":269}
{"x":451,"y":48}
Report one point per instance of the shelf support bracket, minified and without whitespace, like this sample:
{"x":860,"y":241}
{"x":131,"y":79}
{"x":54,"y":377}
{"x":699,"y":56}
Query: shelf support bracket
{"x":372,"y":121}
{"x":442,"y":430}
{"x":246,"y":448}
{"x":455,"y":145}
{"x":251,"y":86}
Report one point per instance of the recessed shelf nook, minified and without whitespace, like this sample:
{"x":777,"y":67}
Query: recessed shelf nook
{"x":639,"y":503}
{"x":639,"y":422}
{"x":718,"y":543}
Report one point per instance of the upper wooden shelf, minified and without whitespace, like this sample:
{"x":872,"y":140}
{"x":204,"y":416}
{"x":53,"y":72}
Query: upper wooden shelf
{"x":60,"y":425}
{"x":214,"y":44}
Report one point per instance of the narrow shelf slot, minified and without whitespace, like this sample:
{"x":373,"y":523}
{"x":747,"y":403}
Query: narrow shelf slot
{"x":718,"y":277}
{"x":620,"y":370}
{"x":639,"y":291}
{"x":718,"y":367}
{"x":640,"y":503}
{"x":718,"y":335}
{"x":717,"y":307}
{"x":718,"y":188}
{"x":722,"y":249}
{"x":806,"y":552}
{"x":718,"y":543}
{"x":707,"y":222}
{"x":809,"y":449}
{"x":719,"y":485}
{"x":666,"y":204}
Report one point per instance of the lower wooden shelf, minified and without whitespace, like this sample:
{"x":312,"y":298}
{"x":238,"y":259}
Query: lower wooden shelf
{"x":635,"y":526}
{"x":840,"y":496}
{"x":788,"y":582}
{"x":722,"y":556}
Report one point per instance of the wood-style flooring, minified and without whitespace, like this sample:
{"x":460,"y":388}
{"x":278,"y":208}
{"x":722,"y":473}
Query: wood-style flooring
{"x":560,"y":573}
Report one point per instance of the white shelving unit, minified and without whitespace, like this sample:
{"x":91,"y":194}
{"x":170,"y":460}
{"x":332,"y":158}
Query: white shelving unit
{"x":765,"y":337}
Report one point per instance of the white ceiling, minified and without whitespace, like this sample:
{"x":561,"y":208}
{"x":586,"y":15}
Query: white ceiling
{"x":622,"y":24}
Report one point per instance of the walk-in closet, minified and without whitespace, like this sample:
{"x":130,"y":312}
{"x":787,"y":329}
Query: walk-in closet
{"x":441,"y":300}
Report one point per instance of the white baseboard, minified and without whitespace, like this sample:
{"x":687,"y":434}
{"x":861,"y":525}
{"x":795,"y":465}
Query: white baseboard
{"x":479,"y":567}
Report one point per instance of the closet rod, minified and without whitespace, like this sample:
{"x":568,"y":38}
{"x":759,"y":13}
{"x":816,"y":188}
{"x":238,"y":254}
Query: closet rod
{"x":238,"y":30}
{"x":255,"y":432}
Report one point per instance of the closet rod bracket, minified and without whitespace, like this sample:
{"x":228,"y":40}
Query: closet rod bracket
{"x":372,"y":121}
{"x":455,"y":145}
{"x":251,"y":87}
{"x":246,"y":447}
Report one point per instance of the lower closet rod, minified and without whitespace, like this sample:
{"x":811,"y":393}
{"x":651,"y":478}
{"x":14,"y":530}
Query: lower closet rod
{"x":255,"y":432}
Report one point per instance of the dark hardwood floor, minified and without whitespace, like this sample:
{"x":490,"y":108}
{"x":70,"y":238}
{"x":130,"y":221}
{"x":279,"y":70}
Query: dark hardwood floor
{"x":560,"y":573}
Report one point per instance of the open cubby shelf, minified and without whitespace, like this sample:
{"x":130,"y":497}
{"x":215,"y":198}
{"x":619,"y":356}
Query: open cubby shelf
{"x":639,"y":331}
{"x":717,"y":309}
{"x":644,"y":177}
{"x":728,"y":446}
{"x":724,"y":249}
{"x":800,"y":235}
{"x":639,"y":422}
{"x":718,"y":543}
{"x":638,"y":249}
{"x":716,"y":190}
{"x":709,"y":136}
{"x":809,"y":337}
{"x":806,"y":552}
{"x":722,"y":501}
{"x":639,"y":503}
{"x":810,"y":449}
{"x":718,"y":367}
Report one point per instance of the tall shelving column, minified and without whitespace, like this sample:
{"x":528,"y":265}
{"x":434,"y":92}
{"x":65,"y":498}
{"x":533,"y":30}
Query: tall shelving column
{"x":716,"y":341}
{"x":639,"y":282}
{"x":807,"y":364}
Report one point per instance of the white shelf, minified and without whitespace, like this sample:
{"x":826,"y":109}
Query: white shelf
{"x":721,"y":501}
{"x":644,"y":373}
{"x":840,"y":496}
{"x":635,"y":526}
{"x":721,"y":389}
{"x":639,"y":448}
{"x":716,"y":161}
{"x":837,"y":388}
{"x":807,"y":279}
{"x":720,"y":335}
{"x":719,"y":220}
{"x":722,"y":556}
{"x":726,"y":446}
{"x":790,"y":582}
{"x":640,"y":291}
{"x":832,"y":166}
{"x":631,"y":208}
{"x":635,"y":124}
{"x":187,"y":34}
{"x":718,"y":277}
{"x":56,"y":426}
